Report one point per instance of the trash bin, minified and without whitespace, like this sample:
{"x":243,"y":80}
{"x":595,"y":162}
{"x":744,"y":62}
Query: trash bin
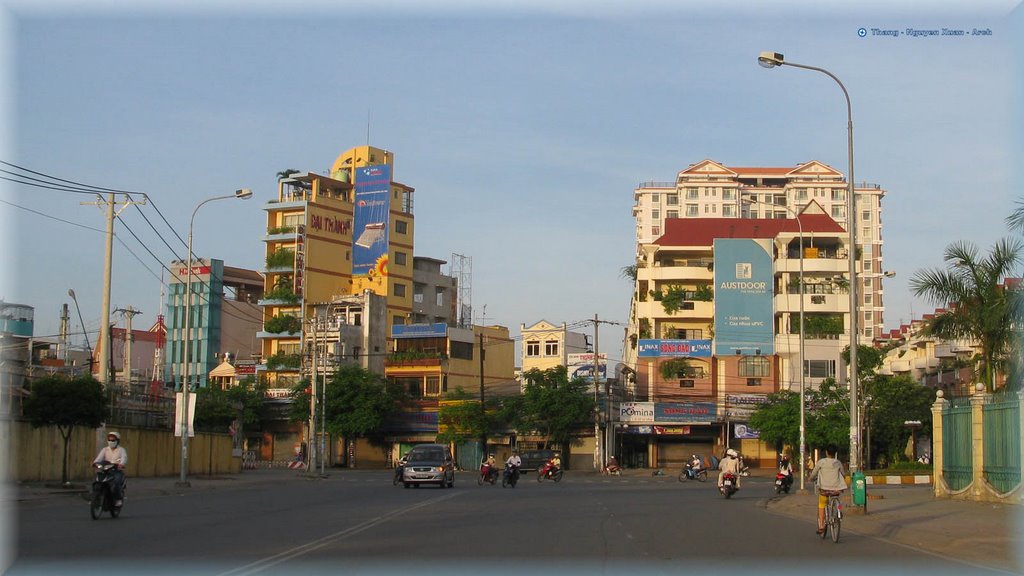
{"x":860,"y":489}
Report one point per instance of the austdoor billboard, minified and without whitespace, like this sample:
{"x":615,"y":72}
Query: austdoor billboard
{"x":372,"y":210}
{"x":744,"y":309}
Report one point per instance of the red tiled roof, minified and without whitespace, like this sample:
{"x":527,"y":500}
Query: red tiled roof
{"x":703,"y":231}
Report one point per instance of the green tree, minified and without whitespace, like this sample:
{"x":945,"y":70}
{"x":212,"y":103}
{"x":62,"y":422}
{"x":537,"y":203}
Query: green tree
{"x":551,"y":405}
{"x":217,"y":409}
{"x":978,"y":305}
{"x":827,"y":416}
{"x":287,"y":172}
{"x":893,"y":401}
{"x":460,"y":419}
{"x":357,"y":402}
{"x":778,"y":420}
{"x":66,"y":403}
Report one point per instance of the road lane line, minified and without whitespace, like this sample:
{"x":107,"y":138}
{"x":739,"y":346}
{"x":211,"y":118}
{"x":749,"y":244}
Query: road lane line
{"x":303,"y":549}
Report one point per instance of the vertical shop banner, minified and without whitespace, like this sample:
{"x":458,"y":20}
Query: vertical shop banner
{"x":744,"y":297}
{"x":372,"y":210}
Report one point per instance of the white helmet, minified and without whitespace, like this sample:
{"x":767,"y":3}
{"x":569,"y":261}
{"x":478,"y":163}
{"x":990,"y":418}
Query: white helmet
{"x":731,"y":453}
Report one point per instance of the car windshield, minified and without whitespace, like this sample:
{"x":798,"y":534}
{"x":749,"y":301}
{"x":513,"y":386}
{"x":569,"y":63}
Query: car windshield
{"x":426,"y":456}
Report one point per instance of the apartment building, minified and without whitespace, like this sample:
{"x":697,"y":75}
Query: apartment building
{"x":715,"y":328}
{"x":709,"y":189}
{"x":546,"y":345}
{"x":330,"y":236}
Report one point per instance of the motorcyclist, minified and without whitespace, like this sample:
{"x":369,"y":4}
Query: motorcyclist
{"x":786,"y":469}
{"x":612,"y":467}
{"x":731,"y":464}
{"x":491,"y":464}
{"x":695,"y":464}
{"x":554,"y":464}
{"x":115,"y":454}
{"x":513,"y":463}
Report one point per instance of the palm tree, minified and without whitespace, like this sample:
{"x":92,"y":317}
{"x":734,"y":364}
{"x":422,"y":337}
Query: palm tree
{"x":286,"y":173}
{"x":1015,"y":221}
{"x":980,"y":306}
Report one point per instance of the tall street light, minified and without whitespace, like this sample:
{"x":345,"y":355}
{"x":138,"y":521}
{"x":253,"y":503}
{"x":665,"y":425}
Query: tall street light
{"x":771,"y":60}
{"x":242,"y":194}
{"x":71,"y":293}
{"x":803,"y":443}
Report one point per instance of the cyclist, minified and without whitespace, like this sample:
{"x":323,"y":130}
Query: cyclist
{"x":828,"y":475}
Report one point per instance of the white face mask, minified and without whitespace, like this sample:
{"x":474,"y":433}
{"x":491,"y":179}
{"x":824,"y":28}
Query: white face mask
{"x":112,"y":443}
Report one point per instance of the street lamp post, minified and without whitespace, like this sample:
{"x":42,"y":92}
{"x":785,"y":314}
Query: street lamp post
{"x":71,"y":293}
{"x":803,"y":443}
{"x":771,"y":60}
{"x":241,"y":194}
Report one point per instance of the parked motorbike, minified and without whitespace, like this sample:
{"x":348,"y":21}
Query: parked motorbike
{"x":487,"y":474}
{"x":101,"y":497}
{"x":729,"y":486}
{"x":690,"y":473}
{"x":510,"y":477}
{"x":550,"y":472}
{"x":783,"y":482}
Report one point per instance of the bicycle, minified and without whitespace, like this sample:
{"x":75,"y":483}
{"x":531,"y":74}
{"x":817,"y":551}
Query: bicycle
{"x":833,"y":514}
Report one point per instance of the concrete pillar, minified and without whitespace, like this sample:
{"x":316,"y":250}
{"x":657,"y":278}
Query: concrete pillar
{"x":938,"y":485}
{"x":978,"y":442}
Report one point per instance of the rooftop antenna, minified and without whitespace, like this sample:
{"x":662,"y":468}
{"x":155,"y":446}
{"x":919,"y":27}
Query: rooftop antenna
{"x":367,"y":125}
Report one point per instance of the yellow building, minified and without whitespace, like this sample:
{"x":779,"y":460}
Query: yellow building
{"x":331,"y":236}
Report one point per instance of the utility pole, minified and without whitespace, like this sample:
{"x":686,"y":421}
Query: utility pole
{"x":103,"y":348}
{"x":483,"y":410}
{"x":128,"y":313}
{"x":64,"y":333}
{"x":595,"y":371}
{"x":312,"y":445}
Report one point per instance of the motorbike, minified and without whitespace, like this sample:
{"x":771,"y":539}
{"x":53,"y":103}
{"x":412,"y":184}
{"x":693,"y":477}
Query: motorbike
{"x":783,"y":482}
{"x":510,"y":477}
{"x":101,"y":497}
{"x":690,"y":473}
{"x":549,"y":471}
{"x":487,"y":474}
{"x":728,"y":485}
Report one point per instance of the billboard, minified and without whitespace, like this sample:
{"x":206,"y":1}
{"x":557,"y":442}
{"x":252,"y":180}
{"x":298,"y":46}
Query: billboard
{"x":685,"y":412}
{"x":744,"y":292}
{"x":370,"y":227}
{"x":582,"y":366}
{"x":687,"y":348}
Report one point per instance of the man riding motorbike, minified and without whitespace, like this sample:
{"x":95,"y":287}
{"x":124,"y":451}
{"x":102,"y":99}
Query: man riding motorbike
{"x":114,"y":453}
{"x":786,"y":472}
{"x":730,"y":464}
{"x":489,"y":467}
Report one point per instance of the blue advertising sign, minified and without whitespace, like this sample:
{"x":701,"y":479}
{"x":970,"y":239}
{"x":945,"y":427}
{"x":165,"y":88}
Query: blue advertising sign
{"x":689,"y":348}
{"x":438,"y":329}
{"x":744,"y":305}
{"x":687,"y":412}
{"x":370,"y":226}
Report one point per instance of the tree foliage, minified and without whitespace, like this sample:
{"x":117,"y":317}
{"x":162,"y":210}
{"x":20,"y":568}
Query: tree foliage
{"x":778,"y":420}
{"x":894,"y":400}
{"x":216,"y":409}
{"x":978,"y":307}
{"x":356,"y":404}
{"x":551,"y":405}
{"x":460,"y":418}
{"x":66,"y":403}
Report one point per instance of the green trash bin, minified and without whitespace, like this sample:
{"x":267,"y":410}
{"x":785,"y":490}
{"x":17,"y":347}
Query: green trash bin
{"x":860,"y":488}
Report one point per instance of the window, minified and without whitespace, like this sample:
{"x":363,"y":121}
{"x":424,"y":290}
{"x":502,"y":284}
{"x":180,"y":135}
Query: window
{"x":672,"y":199}
{"x":433,"y":386}
{"x":839,"y":194}
{"x":867,"y":298}
{"x":753,"y":381}
{"x":655,"y":230}
{"x":532,"y":348}
{"x":686,"y":383}
{"x":551,"y":348}
{"x":801,"y":195}
{"x":692,"y":211}
{"x":401,"y":227}
{"x":655,"y":214}
{"x":399,"y":290}
{"x":461,"y":350}
{"x":655,"y":198}
{"x":397,"y":320}
{"x":820,"y":368}
{"x":867,"y":265}
{"x":691,"y":193}
{"x":672,"y":214}
{"x":754,"y":366}
{"x":400,"y":258}
{"x":729,"y":211}
{"x":865,"y":216}
{"x":817,"y":299}
{"x":439,"y":297}
{"x":688,"y":334}
{"x":728,"y":194}
{"x":838,"y":212}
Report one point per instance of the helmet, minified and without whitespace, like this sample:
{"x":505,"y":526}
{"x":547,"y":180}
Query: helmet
{"x":731,"y":453}
{"x":693,"y":456}
{"x":113,"y":435}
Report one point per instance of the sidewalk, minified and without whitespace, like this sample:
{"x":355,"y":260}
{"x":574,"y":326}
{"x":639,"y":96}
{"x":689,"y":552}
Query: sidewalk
{"x":984,"y":534}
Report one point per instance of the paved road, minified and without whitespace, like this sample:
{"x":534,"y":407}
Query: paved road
{"x":278,"y":522}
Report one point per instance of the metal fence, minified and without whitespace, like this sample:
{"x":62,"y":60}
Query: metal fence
{"x":957,"y":439}
{"x":1002,"y":456}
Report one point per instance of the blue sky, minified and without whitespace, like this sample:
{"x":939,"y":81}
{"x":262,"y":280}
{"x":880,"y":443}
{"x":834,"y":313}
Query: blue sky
{"x":524,"y":129}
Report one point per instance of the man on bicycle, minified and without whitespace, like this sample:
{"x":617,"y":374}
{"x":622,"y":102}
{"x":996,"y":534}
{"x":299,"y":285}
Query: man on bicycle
{"x":828,"y":475}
